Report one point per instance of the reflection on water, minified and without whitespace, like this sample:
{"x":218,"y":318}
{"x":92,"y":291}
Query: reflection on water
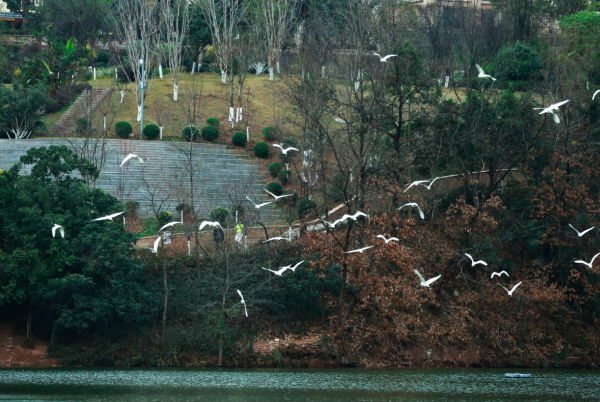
{"x":295,"y":385}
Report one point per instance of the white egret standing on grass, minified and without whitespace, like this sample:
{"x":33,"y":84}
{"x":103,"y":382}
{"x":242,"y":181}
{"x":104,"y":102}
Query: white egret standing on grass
{"x":499,"y":273}
{"x":386,"y":58}
{"x":169,"y":224}
{"x":423,"y":281}
{"x":388,"y":240}
{"x":108,"y":217}
{"x":129,"y":157}
{"x":243,"y":302}
{"x":62,"y":230}
{"x":285,"y":150}
{"x":414,"y":204}
{"x":482,"y":74}
{"x":359,"y":250}
{"x":473,"y":262}
{"x":589,"y":264}
{"x":580,"y":234}
{"x":510,"y":292}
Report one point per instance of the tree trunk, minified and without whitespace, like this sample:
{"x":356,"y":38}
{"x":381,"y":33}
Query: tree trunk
{"x":164,"y":320}
{"x":29,"y":319}
{"x":220,"y":361}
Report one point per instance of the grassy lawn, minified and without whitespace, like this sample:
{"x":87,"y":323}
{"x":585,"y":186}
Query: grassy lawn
{"x":262,"y":105}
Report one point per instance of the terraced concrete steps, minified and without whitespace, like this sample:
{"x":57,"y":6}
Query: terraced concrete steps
{"x":217,"y":174}
{"x":85,"y":105}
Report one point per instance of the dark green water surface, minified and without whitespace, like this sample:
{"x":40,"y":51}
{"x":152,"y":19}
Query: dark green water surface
{"x":58,"y":384}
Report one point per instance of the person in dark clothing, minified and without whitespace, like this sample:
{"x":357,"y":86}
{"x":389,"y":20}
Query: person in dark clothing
{"x":218,"y":235}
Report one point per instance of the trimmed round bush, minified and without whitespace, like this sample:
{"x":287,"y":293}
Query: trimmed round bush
{"x":210,"y":133}
{"x":275,"y":188}
{"x":290,"y":142}
{"x":213,"y":121}
{"x":239,"y":139}
{"x":190,"y":133}
{"x":102,"y":57}
{"x":274,"y":168}
{"x":82,"y":125}
{"x":100,"y":65}
{"x":262,"y":150}
{"x":151,"y":132}
{"x":269,"y":133}
{"x":219,"y":214}
{"x":519,"y":62}
{"x":304,"y":206}
{"x":123,"y":129}
{"x":164,"y":217}
{"x":284,"y":158}
{"x":284,"y":176}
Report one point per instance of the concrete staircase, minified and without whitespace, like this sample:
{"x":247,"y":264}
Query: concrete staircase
{"x":219,"y":175}
{"x":85,"y":105}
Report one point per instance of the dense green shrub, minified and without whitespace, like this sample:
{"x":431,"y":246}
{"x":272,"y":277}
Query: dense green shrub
{"x":219,"y":215}
{"x":275,"y":188}
{"x":269,"y":133}
{"x":82,"y":125}
{"x":102,"y":57}
{"x":284,"y":176}
{"x":239,"y":139}
{"x":190,"y":133}
{"x":213,"y":121}
{"x":100,"y":65}
{"x":304,"y":206}
{"x":123,"y":129}
{"x":519,"y":62}
{"x":21,"y":104}
{"x":210,"y":133}
{"x":262,"y":150}
{"x":151,"y":132}
{"x":274,"y":168}
{"x":288,"y":142}
{"x":131,"y":207}
{"x":164,"y":217}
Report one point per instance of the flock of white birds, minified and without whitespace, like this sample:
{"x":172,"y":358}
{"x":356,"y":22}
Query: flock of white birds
{"x":426,"y":283}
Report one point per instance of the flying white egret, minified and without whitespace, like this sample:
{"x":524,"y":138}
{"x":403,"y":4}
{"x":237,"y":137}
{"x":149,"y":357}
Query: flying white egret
{"x":499,"y":273}
{"x":131,"y":156}
{"x":293,"y":269}
{"x":596,"y":93}
{"x":258,"y":206}
{"x":414,"y":183}
{"x":277,"y":196}
{"x":388,"y":240}
{"x":243,"y":302}
{"x":62,"y":230}
{"x":581,"y":233}
{"x":359,"y":250}
{"x":353,"y":217}
{"x":553,"y":109}
{"x":510,"y":292}
{"x":424,"y":282}
{"x":473,"y":262}
{"x":275,"y":238}
{"x":108,"y":217}
{"x":278,"y":273}
{"x":169,"y":224}
{"x":414,"y":204}
{"x":285,"y":150}
{"x":331,"y":225}
{"x":386,"y":58}
{"x":155,"y":248}
{"x":207,"y":223}
{"x":482,"y":74}
{"x":589,"y":264}
{"x":341,"y":121}
{"x":429,"y":186}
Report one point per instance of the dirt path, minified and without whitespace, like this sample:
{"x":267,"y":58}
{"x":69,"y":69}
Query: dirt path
{"x":13,"y":354}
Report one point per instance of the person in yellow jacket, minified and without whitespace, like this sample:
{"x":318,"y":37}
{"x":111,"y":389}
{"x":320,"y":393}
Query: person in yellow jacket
{"x":239,"y":232}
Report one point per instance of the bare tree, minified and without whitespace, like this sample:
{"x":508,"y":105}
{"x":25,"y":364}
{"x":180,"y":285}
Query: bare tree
{"x":176,"y":19}
{"x":223,"y":17}
{"x":276,"y":18}
{"x":136,"y":23}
